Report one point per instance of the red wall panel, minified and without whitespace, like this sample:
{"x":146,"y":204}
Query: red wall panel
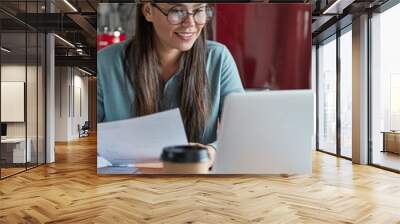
{"x":271,"y":43}
{"x":107,"y":39}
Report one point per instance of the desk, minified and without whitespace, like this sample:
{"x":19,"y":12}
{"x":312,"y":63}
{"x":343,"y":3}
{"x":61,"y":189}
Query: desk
{"x":139,"y":168}
{"x":13,"y":150}
{"x":391,"y":141}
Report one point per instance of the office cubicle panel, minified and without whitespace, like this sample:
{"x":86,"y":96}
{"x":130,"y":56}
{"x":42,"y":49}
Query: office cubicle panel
{"x":271,"y":43}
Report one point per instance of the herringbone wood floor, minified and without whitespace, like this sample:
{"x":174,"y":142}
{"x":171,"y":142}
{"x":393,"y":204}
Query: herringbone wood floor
{"x":69,"y":191}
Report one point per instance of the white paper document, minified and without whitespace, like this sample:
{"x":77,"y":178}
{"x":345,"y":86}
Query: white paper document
{"x":140,"y":139}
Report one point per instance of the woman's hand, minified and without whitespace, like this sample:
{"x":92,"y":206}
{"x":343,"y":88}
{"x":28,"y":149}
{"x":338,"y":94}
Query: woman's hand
{"x":211,"y":152}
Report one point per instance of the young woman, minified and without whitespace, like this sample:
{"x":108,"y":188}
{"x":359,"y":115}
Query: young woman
{"x":168,"y":64}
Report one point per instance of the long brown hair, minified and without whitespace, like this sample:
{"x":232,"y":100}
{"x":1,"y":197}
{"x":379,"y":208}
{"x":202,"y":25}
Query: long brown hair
{"x":142,"y":64}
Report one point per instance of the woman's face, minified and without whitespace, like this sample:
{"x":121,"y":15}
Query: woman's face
{"x":180,"y":36}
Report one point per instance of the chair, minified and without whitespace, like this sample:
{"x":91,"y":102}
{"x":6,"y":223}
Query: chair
{"x":84,"y":130}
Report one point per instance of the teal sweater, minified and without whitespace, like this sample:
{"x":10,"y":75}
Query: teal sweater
{"x":115,"y":92}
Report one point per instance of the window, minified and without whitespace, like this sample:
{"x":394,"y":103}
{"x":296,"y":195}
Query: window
{"x":385,"y":88}
{"x":327,"y":95}
{"x":346,"y":93}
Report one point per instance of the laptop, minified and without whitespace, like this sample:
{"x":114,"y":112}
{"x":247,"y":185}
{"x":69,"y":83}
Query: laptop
{"x":266,"y":132}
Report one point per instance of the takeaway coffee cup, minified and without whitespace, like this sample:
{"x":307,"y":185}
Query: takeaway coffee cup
{"x":185,"y":159}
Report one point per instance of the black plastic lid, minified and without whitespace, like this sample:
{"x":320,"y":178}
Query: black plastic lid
{"x":184,"y":154}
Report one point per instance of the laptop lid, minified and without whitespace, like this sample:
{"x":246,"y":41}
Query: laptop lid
{"x":266,"y":132}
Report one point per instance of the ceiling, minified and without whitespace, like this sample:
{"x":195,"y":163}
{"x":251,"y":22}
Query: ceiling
{"x":21,"y":21}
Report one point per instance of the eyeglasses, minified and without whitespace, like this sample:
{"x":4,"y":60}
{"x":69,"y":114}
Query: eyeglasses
{"x":177,"y":15}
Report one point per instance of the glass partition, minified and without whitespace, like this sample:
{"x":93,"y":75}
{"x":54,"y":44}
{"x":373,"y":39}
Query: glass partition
{"x":22,"y":88}
{"x":14,"y":145}
{"x":31,"y":100}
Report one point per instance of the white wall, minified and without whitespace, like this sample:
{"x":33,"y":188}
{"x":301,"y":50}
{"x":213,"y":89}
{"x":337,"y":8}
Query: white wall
{"x":33,"y":127}
{"x":62,"y":81}
{"x":80,"y":110}
{"x":16,"y":73}
{"x":71,"y":93}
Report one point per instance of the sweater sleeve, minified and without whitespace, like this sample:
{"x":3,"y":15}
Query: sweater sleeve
{"x":230,"y":82}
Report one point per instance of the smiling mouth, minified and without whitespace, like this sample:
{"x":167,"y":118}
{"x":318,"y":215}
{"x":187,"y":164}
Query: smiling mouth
{"x":185,"y":35}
